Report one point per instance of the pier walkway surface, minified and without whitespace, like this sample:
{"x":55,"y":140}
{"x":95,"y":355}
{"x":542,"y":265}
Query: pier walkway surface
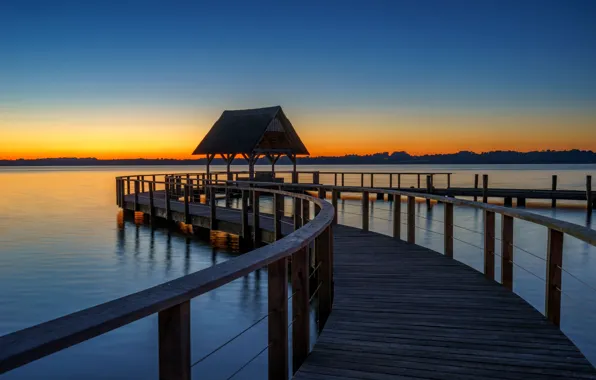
{"x":402,"y":311}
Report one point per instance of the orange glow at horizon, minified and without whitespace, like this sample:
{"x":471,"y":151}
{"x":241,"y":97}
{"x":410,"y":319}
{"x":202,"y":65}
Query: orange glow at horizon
{"x":173,"y":134}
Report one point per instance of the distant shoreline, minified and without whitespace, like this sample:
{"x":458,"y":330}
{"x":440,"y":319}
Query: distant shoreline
{"x":574,"y":156}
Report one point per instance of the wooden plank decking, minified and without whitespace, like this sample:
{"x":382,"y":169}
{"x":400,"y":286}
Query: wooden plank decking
{"x":402,"y":311}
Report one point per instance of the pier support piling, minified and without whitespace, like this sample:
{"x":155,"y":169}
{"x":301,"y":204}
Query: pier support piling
{"x":485,"y":188}
{"x":589,"y":195}
{"x":475,"y":186}
{"x":429,"y":187}
{"x":554,"y":188}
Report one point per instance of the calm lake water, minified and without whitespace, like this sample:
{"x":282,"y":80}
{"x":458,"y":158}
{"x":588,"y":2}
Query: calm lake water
{"x":65,"y":247}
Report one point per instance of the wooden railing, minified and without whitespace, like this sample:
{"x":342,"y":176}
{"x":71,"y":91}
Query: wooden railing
{"x":171,"y":300}
{"x":340,"y":178}
{"x":556,"y":229}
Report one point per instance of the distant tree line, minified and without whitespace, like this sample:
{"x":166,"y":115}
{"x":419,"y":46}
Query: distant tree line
{"x":574,"y":156}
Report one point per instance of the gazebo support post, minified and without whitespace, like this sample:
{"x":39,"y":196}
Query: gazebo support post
{"x":210,"y":157}
{"x":292,"y":158}
{"x":273,"y":159}
{"x":228,"y":159}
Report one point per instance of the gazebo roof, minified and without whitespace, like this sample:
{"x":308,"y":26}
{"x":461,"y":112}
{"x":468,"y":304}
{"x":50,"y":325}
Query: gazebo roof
{"x":259,"y":130}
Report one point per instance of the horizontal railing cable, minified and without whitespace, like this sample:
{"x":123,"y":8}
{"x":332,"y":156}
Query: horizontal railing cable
{"x":527,"y":270}
{"x":577,"y":278}
{"x":528,"y":252}
{"x":468,"y":243}
{"x":314,"y":270}
{"x":426,"y":229}
{"x":293,"y":320}
{"x":230,"y":340}
{"x":315,"y":292}
{"x":469,"y":229}
{"x":248,"y":362}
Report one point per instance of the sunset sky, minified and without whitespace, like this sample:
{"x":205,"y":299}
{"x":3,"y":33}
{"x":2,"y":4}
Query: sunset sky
{"x":121,"y":79}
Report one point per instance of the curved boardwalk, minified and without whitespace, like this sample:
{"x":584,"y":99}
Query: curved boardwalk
{"x":402,"y":311}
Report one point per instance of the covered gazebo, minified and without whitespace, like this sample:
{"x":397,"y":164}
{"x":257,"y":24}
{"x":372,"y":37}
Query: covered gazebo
{"x":252,"y":133}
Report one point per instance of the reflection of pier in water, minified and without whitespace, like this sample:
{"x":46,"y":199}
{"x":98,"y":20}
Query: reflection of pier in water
{"x":221,"y":243}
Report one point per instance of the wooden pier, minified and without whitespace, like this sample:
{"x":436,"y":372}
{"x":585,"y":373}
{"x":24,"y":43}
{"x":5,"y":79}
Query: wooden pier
{"x":424,"y":182}
{"x":387,"y":308}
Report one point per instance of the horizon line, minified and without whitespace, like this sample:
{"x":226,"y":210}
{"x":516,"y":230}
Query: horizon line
{"x":201,"y":157}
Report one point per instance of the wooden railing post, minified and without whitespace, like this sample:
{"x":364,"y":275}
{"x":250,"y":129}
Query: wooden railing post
{"x":122,"y":195}
{"x":256,"y":220}
{"x":448,"y":230}
{"x":418,"y":181}
{"x":142,"y":184}
{"x":475,"y":186}
{"x":151,"y":201}
{"x":212,"y":209}
{"x":485,"y":188}
{"x":589,"y":195}
{"x":554,"y":265}
{"x":411,"y":220}
{"x":554,"y":188}
{"x":128,"y":185}
{"x":296,"y":213}
{"x":322,"y":193}
{"x":365,"y":203}
{"x":428,"y":189}
{"x":390,"y":180}
{"x":399,"y":181}
{"x":372,"y":180}
{"x":168,"y":206}
{"x":342,"y":179}
{"x":174,"y":342}
{"x":277,"y":214}
{"x":489,"y":245}
{"x":245,"y":229}
{"x":277,"y":274}
{"x":322,"y":252}
{"x":397,"y":217}
{"x":191,"y":189}
{"x":507,"y":251}
{"x":361,"y":179}
{"x":448,"y":180}
{"x":186,"y":205}
{"x":334,"y":204}
{"x":136,"y":195}
{"x":300,"y":309}
{"x":305,"y":212}
{"x":117,"y":192}
{"x":334,"y":179}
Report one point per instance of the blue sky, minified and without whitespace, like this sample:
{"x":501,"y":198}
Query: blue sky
{"x":487,"y":57}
